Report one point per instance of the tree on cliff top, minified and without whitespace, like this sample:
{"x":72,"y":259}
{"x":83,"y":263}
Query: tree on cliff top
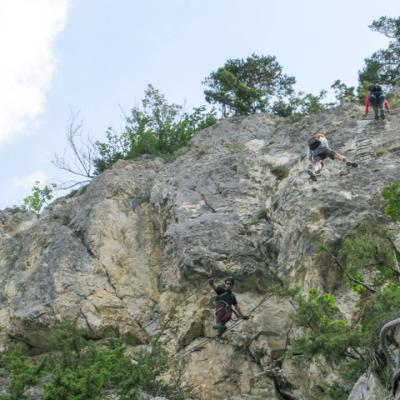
{"x":384,"y":65}
{"x":247,"y":86}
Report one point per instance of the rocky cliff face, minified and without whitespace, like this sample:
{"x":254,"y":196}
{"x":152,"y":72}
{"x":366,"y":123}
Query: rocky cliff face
{"x":140,"y":240}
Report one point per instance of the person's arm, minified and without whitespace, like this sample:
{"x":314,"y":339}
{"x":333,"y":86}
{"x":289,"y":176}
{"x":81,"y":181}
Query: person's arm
{"x":367,"y":103}
{"x":309,"y":154}
{"x":212,"y":283}
{"x":387,"y":105}
{"x":239,"y":312}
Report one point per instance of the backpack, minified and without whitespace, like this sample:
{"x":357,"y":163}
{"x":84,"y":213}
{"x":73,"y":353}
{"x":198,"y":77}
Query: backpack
{"x":313,"y":143}
{"x":376,"y":89}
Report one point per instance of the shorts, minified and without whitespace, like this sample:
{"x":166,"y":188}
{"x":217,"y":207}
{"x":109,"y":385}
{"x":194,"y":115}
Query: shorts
{"x":377,"y":99}
{"x":324,"y":154}
{"x":223,"y":313}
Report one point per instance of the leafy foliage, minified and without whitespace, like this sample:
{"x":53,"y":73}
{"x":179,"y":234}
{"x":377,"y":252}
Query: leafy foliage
{"x":299,"y":104}
{"x":325,"y":332}
{"x":22,"y":374}
{"x":384,"y":65}
{"x":391,"y":194}
{"x":247,"y":86}
{"x":80,"y":369}
{"x":39,"y":198}
{"x":157,"y":128}
{"x":368,"y":258}
{"x":343,"y":93}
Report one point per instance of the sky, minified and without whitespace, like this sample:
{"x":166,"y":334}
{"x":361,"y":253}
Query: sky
{"x":95,"y":58}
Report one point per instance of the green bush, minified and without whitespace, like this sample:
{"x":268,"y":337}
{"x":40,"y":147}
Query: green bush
{"x":343,"y":93}
{"x":247,"y":86}
{"x":39,"y":198}
{"x":368,"y":255}
{"x":22,"y":373}
{"x":80,"y":369}
{"x":158,"y":128}
{"x":325,"y":333}
{"x":391,"y":194}
{"x":299,"y":104}
{"x":383,"y":65}
{"x":280,"y":171}
{"x":98,"y":368}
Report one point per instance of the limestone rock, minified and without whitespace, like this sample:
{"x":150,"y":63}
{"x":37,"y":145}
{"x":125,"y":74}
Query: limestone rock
{"x":131,"y":251}
{"x":368,"y":387}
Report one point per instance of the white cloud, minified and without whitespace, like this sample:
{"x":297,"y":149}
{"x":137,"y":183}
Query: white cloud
{"x":27,"y":182}
{"x":28,"y":29}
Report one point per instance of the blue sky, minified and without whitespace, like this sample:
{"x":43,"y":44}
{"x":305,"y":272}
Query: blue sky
{"x":97,"y":57}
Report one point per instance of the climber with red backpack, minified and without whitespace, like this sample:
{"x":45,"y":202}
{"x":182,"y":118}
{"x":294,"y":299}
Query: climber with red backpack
{"x":319,"y":150}
{"x":225,"y":304}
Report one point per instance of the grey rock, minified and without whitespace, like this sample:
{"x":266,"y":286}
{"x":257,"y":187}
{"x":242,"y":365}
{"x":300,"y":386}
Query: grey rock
{"x":119,"y":253}
{"x":368,"y":387}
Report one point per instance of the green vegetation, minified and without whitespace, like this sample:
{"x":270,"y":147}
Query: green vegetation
{"x":387,"y":149}
{"x":383,"y":66}
{"x":391,"y":194}
{"x":258,"y":84}
{"x":79,"y":369}
{"x":300,"y":104}
{"x":343,"y":93}
{"x":39,"y":198}
{"x":235,"y":146}
{"x":368,"y":256}
{"x":22,"y":373}
{"x":369,"y":263}
{"x":280,"y":171}
{"x":243,"y":87}
{"x":158,"y":128}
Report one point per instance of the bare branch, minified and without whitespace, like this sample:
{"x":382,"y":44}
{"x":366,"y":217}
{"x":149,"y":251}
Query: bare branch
{"x":350,"y":277}
{"x":83,"y":151}
{"x":70,"y":185}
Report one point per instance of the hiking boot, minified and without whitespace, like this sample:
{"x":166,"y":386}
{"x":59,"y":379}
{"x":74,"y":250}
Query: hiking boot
{"x":376,"y":116}
{"x":351,"y":164}
{"x":221,"y":330}
{"x":382,"y":114}
{"x":312,"y":174}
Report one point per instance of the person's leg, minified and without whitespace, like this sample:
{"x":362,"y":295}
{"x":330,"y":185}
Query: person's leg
{"x":339,"y":157}
{"x":314,"y":169}
{"x":316,"y":166}
{"x":219,"y":314}
{"x":349,"y":163}
{"x":381,"y":101}
{"x":223,"y":314}
{"x":375,"y":105}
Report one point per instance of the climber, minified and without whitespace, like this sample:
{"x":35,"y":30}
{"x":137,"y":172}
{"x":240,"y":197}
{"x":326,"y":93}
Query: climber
{"x":319,"y":150}
{"x":376,"y":97}
{"x":224,"y":301}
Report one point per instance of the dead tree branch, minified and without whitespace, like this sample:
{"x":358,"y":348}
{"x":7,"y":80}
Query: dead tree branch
{"x":83,"y":153}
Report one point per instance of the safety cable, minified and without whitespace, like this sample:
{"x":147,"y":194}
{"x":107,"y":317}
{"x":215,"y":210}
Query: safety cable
{"x":198,"y":346}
